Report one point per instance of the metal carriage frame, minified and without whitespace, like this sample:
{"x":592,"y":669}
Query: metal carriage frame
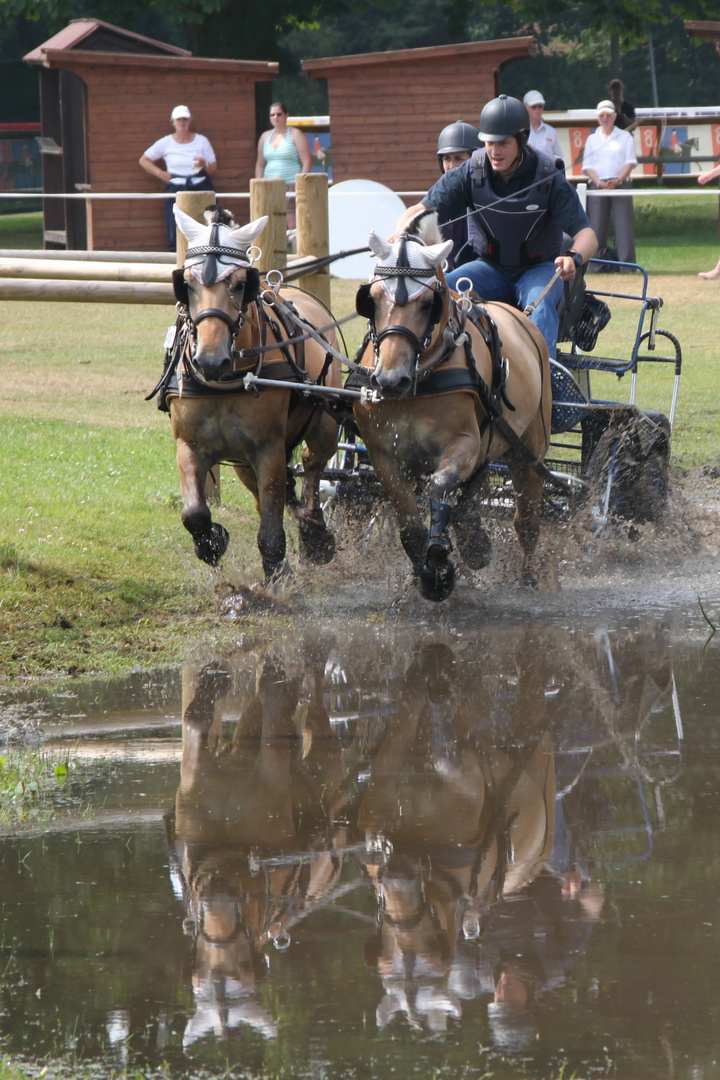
{"x":613,"y":455}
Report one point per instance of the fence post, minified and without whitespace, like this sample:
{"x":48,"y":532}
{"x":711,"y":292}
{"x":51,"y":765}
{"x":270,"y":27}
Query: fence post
{"x":311,"y":209}
{"x":194,"y":203}
{"x":269,"y":197}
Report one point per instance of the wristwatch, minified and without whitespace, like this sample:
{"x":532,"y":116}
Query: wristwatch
{"x":576,"y":258}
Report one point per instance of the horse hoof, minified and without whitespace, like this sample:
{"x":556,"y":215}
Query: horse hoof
{"x":528,"y":580}
{"x":437,"y":584}
{"x":277,"y":575}
{"x":211,"y":546}
{"x":317,"y":543}
{"x":475,"y":546}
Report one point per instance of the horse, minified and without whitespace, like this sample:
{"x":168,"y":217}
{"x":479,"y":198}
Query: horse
{"x":228,"y":328}
{"x":461,"y":385}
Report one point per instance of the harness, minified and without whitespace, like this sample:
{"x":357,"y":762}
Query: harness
{"x":273,"y":316}
{"x":430,"y":378}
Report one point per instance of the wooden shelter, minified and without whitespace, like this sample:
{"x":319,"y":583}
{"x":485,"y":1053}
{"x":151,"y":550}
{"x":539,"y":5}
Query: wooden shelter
{"x":699,"y":28}
{"x":106,"y":95}
{"x":387,"y":109}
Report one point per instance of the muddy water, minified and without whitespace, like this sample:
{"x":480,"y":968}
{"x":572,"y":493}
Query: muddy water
{"x":420,"y":849}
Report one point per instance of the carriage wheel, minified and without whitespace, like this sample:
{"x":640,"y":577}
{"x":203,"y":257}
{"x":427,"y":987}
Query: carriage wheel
{"x":628,"y":469}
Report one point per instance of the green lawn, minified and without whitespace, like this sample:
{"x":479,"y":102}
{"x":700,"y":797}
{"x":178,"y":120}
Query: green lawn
{"x":21,"y":230}
{"x":96,"y":570}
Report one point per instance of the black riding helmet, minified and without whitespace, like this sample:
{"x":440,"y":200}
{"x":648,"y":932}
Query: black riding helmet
{"x":457,"y":138}
{"x":502,"y":118}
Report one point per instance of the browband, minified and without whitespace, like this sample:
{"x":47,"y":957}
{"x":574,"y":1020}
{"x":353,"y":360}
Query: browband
{"x":216,"y":249}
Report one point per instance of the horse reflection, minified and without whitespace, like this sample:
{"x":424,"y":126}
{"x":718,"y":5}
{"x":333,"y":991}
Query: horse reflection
{"x":252,"y":841}
{"x":472,"y":787}
{"x":458,"y":814}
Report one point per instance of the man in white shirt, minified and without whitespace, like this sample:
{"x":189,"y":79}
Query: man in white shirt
{"x":542,"y":136}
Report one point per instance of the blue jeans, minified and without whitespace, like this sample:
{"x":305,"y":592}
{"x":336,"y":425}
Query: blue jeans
{"x":519,"y":288}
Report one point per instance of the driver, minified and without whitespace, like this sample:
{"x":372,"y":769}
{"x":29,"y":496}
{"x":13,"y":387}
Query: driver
{"x":513,"y":246}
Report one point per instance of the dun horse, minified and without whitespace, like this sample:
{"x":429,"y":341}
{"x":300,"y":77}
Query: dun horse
{"x":226,"y":330}
{"x":461,"y":385}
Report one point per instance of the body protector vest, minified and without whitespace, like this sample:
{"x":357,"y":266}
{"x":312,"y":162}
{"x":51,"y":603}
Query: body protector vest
{"x":518,"y":231}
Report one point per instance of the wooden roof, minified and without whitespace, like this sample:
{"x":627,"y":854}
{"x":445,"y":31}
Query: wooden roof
{"x":710,"y":30}
{"x":94,"y":35}
{"x":510,"y":48}
{"x":387,"y":109}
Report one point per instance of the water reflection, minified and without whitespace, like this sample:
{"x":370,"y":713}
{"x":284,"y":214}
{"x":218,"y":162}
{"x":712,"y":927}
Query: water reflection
{"x":459,"y":803}
{"x":256,"y":839}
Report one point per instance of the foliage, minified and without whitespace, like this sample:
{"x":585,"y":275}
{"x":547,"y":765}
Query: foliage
{"x":32,"y":786}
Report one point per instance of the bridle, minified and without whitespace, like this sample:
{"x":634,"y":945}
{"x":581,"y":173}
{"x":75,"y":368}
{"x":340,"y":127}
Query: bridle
{"x":210,"y":275}
{"x":402,"y":271}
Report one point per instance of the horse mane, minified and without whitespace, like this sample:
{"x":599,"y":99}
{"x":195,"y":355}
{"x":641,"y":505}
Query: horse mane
{"x":216,"y":214}
{"x":425,"y":226}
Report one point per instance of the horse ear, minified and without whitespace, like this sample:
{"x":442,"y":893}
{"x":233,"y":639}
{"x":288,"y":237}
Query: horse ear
{"x":246,"y":235}
{"x":435,"y":254}
{"x":364,"y":303}
{"x":180,"y":287}
{"x":379,"y":247}
{"x":189,"y":227}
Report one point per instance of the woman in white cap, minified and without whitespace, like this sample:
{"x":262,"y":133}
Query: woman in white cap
{"x":542,"y":136}
{"x":608,"y":160}
{"x":189,"y":162}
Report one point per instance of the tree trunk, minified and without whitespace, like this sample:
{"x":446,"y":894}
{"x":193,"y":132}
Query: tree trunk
{"x":614,"y":56}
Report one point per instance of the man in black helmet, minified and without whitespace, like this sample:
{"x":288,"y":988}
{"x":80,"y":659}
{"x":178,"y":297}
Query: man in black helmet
{"x":520,"y":205}
{"x":456,"y":144}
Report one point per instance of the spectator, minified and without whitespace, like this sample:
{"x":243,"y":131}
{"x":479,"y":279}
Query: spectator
{"x":282,"y":153}
{"x":626,"y":119}
{"x":608,"y":160}
{"x":705,"y":178}
{"x":189,"y":163}
{"x":542,"y":136}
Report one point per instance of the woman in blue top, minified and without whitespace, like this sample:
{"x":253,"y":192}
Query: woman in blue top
{"x":282,"y":153}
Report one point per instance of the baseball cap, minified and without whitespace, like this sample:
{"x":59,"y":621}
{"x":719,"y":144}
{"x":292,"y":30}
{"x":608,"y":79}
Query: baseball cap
{"x":181,"y":112}
{"x":533,"y":97}
{"x":605,"y":106}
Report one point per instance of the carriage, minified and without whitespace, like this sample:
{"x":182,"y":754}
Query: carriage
{"x":448,"y":396}
{"x":608,"y":453}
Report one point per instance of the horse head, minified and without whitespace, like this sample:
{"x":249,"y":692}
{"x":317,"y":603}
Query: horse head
{"x":216,"y":284}
{"x":403,"y":301}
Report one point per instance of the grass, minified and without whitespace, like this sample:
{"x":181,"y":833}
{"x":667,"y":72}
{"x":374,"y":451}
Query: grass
{"x":97,"y":572}
{"x":21,"y":230}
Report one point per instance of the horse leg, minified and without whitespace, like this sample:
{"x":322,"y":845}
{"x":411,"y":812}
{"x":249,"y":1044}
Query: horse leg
{"x":413,"y":533}
{"x":271,"y":487}
{"x":210,"y":538}
{"x":472,"y":539}
{"x":271,"y":534}
{"x":317,"y":543}
{"x":437,"y":577}
{"x":528,"y":488}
